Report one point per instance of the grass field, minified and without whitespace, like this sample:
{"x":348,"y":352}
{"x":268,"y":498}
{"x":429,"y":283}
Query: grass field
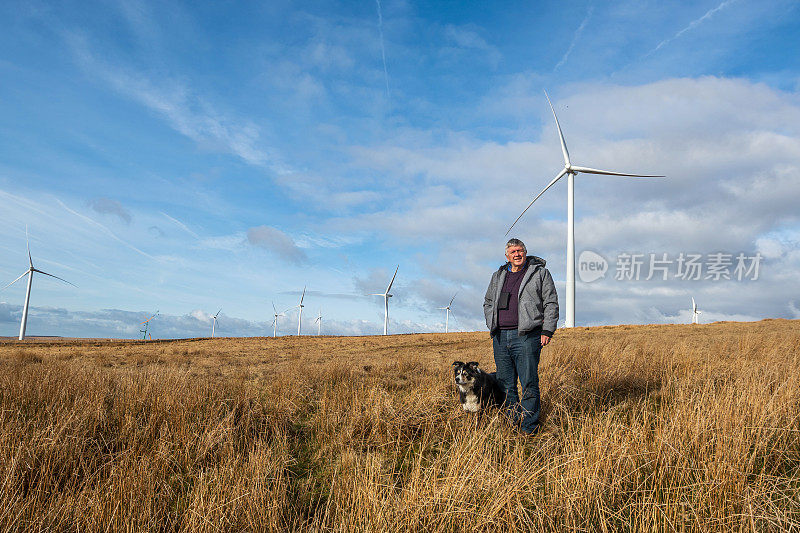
{"x":657,"y":428}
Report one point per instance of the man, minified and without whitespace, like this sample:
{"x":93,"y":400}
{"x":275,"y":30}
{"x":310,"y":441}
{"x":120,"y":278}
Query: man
{"x":521,"y":308}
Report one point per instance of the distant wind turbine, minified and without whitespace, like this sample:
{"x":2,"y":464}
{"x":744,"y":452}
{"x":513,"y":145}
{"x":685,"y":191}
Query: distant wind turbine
{"x":319,"y":322}
{"x":275,"y":320}
{"x":386,"y":297}
{"x":447,"y":313}
{"x":214,"y":325}
{"x":570,"y":170}
{"x":300,"y":316}
{"x":695,"y":313}
{"x":29,"y":273}
{"x":146,"y":324}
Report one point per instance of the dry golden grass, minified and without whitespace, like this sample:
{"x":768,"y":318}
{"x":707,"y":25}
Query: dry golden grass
{"x":656,"y":428}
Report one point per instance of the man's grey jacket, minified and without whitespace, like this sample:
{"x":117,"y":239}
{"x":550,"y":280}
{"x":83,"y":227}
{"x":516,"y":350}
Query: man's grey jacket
{"x":538,"y":301}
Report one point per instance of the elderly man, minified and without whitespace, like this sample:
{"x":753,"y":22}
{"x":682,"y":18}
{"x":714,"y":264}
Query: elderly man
{"x":521,"y":308}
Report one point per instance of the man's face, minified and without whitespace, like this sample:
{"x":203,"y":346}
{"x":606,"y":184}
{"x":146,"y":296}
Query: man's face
{"x":516,"y":255}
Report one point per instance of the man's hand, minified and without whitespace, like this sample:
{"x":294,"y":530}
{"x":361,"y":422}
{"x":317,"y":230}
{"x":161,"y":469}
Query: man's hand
{"x":545,"y":340}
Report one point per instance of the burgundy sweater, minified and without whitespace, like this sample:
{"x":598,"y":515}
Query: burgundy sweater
{"x":509,"y":318}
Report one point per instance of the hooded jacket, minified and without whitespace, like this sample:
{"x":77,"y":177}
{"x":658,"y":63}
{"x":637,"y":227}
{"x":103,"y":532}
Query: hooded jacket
{"x":538,"y":301}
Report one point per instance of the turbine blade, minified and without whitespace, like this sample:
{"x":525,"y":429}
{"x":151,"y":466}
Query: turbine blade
{"x":303,"y":296}
{"x":560,"y":175}
{"x":451,"y":299}
{"x":149,"y":319}
{"x":16,"y":280}
{"x":453,"y":316}
{"x":28,"y":244}
{"x":52,"y":276}
{"x":390,"y":283}
{"x":218,"y":312}
{"x":610,"y":173}
{"x":560,"y":135}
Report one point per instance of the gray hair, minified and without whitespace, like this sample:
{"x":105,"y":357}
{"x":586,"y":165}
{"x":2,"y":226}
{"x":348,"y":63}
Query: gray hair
{"x":516,"y":242}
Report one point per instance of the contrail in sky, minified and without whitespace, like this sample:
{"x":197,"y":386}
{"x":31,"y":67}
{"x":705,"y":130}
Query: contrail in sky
{"x":383,"y":50}
{"x":575,"y":38}
{"x":693,"y":24}
{"x":181,"y":225}
{"x":106,"y":230}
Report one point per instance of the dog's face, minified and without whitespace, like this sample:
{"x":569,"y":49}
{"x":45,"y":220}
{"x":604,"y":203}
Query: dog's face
{"x":465,"y":373}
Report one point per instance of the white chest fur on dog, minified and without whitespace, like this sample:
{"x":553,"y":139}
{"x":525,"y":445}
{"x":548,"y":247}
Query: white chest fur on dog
{"x":471,"y":403}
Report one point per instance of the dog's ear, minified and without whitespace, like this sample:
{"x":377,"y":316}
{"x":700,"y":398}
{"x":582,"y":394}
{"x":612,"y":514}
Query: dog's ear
{"x":473,"y":365}
{"x":457,"y":363}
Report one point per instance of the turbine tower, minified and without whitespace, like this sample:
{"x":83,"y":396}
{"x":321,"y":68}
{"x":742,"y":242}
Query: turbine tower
{"x":386,"y":297}
{"x":447,"y":312}
{"x":318,"y":320}
{"x":214,"y":325}
{"x":275,"y":320}
{"x":571,"y":170}
{"x":300,"y":316}
{"x":695,"y":313}
{"x":29,"y":273}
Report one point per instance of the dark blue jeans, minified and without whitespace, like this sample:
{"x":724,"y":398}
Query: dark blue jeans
{"x":517,"y":356}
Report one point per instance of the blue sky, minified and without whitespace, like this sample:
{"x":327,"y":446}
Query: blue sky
{"x":184,"y":157}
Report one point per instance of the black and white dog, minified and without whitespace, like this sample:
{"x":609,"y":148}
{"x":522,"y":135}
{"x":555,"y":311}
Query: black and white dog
{"x":476,"y":388}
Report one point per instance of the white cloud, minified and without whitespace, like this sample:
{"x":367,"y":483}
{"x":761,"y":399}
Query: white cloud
{"x":277,"y":242}
{"x":185,"y":111}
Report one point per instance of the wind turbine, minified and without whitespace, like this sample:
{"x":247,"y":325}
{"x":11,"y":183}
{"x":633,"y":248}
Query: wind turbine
{"x":300,"y":316}
{"x":146,"y":324}
{"x":319,"y":322}
{"x":275,"y":320}
{"x":571,"y":170}
{"x":214,"y":325}
{"x":29,"y":273}
{"x":386,"y":297}
{"x":447,"y":313}
{"x":695,"y":313}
